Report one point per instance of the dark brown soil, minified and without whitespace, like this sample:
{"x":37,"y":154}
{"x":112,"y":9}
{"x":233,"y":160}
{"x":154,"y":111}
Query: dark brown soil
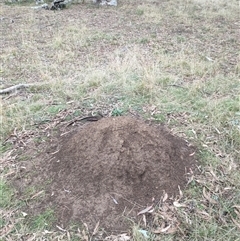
{"x":111,"y":169}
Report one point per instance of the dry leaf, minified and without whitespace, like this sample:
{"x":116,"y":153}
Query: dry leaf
{"x":6,"y":230}
{"x":191,"y":178}
{"x":172,"y":230}
{"x":147,"y":209}
{"x":180,"y":193}
{"x":96,"y":228}
{"x":204,"y":215}
{"x":165,"y":215}
{"x":179,"y":205}
{"x":144,"y":220}
{"x":236,"y":223}
{"x":47,"y":232}
{"x":84,"y":236}
{"x":68,"y":236}
{"x":208,"y":197}
{"x":217,"y":188}
{"x":37,"y":194}
{"x":151,"y":211}
{"x":168,"y":231}
{"x":61,"y":229}
{"x":85,"y":225}
{"x":164,"y":230}
{"x":31,"y":238}
{"x":213,"y":174}
{"x":121,"y":237}
{"x":236,"y":206}
{"x":238,"y":213}
{"x":157,"y":231}
{"x":165,"y":197}
{"x":10,"y":173}
{"x":24,"y":214}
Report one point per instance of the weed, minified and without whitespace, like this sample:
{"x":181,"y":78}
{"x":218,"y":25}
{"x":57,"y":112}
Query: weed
{"x":140,"y":12}
{"x":117,"y":112}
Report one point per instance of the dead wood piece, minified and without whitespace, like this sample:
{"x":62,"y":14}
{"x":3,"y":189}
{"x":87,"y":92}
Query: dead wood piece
{"x":87,"y":118}
{"x":13,"y":88}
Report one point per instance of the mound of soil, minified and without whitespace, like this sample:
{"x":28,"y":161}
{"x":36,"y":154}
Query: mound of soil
{"x":113,"y":168}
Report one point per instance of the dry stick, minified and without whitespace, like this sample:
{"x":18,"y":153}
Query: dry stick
{"x":87,"y":118}
{"x":19,"y":86}
{"x":179,"y":86}
{"x":13,"y":88}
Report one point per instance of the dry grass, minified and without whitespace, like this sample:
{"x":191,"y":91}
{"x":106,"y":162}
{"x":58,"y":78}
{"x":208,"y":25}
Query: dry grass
{"x":173,"y":61}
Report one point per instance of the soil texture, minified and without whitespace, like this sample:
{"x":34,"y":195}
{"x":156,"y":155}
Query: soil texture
{"x":111,"y":169}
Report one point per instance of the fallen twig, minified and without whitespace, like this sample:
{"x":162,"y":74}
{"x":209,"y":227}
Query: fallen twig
{"x":87,"y":118}
{"x":178,"y":86}
{"x":14,"y":88}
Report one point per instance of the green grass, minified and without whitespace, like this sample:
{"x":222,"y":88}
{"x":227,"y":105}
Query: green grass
{"x":175,"y":62}
{"x":6,"y":194}
{"x":42,"y":221}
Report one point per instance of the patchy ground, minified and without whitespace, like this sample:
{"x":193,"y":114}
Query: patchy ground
{"x":66,"y":44}
{"x":172,"y":62}
{"x":109,"y":170}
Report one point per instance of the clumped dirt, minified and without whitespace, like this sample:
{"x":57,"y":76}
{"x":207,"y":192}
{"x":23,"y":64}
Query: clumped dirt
{"x":111,"y":169}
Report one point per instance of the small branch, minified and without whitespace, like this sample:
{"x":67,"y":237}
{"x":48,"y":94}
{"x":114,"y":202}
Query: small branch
{"x":14,"y":88}
{"x":178,"y":86}
{"x":87,"y":118}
